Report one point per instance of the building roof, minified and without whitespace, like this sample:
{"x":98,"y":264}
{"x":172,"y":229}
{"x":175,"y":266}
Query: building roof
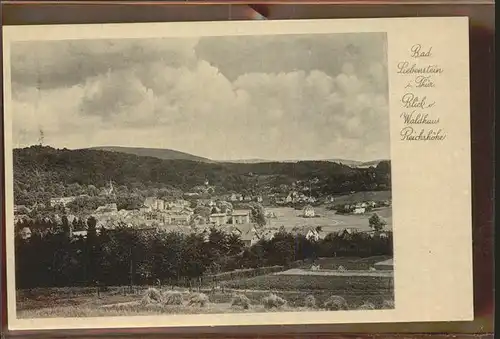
{"x":240,"y":212}
{"x":217,"y":215}
{"x":246,"y":231}
{"x":179,"y":216}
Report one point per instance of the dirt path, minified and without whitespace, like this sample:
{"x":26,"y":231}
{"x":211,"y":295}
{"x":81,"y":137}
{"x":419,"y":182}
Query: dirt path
{"x":297,"y":271}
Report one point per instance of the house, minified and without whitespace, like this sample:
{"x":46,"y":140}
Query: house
{"x":259,"y":198}
{"x":160,"y":204}
{"x":359,"y":210}
{"x":247,"y":234}
{"x":347,"y":232}
{"x":61,"y":201}
{"x":83,"y":233}
{"x":155,"y":204}
{"x":218,"y":218}
{"x":267,"y":234}
{"x":383,"y":235}
{"x":181,"y":210}
{"x":150,"y":202}
{"x":180,"y":219}
{"x":313,"y":234}
{"x":109,"y":208}
{"x":79,"y":234}
{"x":308,"y":212}
{"x":309,"y":232}
{"x":240,"y":217}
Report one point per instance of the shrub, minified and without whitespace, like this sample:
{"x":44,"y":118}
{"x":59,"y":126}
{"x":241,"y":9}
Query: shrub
{"x":310,"y":301}
{"x":152,"y":296}
{"x":388,"y":304}
{"x":199,"y":299}
{"x":241,"y":300}
{"x":336,"y":303}
{"x":367,"y":306}
{"x":172,"y":298}
{"x":273,"y":301}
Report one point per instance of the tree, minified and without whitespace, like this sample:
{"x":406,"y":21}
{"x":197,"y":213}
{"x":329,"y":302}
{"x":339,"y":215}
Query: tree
{"x":376,"y":222}
{"x":258,"y":215}
{"x":66,"y":227}
{"x":203,"y":211}
{"x":235,"y":244}
{"x":91,"y":249}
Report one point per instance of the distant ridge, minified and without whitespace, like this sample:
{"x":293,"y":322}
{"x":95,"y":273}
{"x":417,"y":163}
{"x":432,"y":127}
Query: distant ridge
{"x":169,"y":154}
{"x":350,"y":163}
{"x":160,"y":153}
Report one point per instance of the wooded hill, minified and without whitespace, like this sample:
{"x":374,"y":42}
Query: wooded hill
{"x":41,"y":172}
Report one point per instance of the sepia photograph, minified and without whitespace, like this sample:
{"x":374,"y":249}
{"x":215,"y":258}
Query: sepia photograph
{"x":194,"y":175}
{"x":168,"y":174}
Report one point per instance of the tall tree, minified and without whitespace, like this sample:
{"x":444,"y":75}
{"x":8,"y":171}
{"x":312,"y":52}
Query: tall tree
{"x":376,"y":222}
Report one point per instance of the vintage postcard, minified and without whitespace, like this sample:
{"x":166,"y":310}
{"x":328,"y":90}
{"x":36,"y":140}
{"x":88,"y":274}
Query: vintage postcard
{"x":274,"y":172}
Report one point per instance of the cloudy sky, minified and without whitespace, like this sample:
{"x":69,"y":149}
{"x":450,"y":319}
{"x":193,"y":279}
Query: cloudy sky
{"x":269,"y":97}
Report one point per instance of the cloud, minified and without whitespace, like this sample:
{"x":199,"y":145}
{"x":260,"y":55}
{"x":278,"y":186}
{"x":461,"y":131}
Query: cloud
{"x":191,"y":105}
{"x":63,"y":63}
{"x":288,"y":53}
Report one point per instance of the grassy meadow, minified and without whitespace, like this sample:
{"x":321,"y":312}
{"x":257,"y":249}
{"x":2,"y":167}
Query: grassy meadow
{"x":327,"y":219}
{"x":294,"y":288}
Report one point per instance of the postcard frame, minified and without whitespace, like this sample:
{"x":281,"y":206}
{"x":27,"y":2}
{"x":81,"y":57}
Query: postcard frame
{"x":482,"y":152}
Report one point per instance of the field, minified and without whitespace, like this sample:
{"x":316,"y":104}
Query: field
{"x":363,"y":196}
{"x":327,"y":219}
{"x":341,"y":284}
{"x":357,"y":286}
{"x":351,"y":264}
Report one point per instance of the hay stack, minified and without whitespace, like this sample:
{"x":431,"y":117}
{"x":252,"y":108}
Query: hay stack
{"x":336,"y":303}
{"x":241,"y":300}
{"x":172,"y":298}
{"x":310,"y":301}
{"x":198,"y":299}
{"x":152,"y":297}
{"x":273,"y":301}
{"x":367,"y":306}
